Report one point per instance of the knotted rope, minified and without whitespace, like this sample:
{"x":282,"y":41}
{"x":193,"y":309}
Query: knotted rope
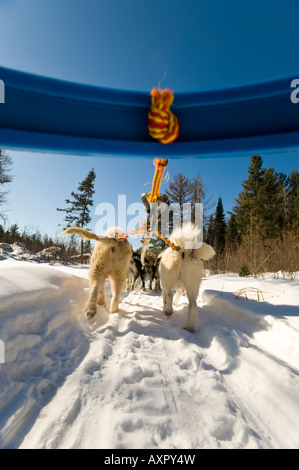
{"x":163,"y":125}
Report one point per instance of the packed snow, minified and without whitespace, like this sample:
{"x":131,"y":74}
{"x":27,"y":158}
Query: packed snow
{"x":138,"y":380}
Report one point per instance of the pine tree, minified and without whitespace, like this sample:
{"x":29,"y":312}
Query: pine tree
{"x":247,"y":209}
{"x":232,"y":233}
{"x":284,"y":201}
{"x":263,"y":207}
{"x":5,"y":177}
{"x":14,"y":233}
{"x":2,"y":234}
{"x":78,"y":212}
{"x":293,"y":187}
{"x":219,"y":228}
{"x":210,"y":232}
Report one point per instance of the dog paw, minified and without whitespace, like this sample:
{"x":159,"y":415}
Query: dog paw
{"x":113,"y":309}
{"x":189,"y":328}
{"x":90,"y":312}
{"x":168,"y":314}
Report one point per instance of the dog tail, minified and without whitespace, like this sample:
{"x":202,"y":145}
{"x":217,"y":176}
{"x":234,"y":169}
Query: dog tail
{"x":205,"y":252}
{"x":85,"y":234}
{"x":189,"y":237}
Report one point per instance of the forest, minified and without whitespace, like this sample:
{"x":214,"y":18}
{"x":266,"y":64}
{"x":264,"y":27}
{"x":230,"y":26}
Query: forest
{"x":259,"y":234}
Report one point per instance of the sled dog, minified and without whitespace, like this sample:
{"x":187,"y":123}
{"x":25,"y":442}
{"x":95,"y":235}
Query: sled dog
{"x":135,"y":271}
{"x":181,"y":270}
{"x":151,"y":265}
{"x":110,"y":259}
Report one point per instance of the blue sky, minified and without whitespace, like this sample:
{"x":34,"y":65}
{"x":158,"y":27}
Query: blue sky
{"x":186,"y":45}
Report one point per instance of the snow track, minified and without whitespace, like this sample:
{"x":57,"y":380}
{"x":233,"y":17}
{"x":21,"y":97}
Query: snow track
{"x":136,"y":379}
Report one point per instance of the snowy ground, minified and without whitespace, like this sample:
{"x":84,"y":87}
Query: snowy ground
{"x":136,"y":379}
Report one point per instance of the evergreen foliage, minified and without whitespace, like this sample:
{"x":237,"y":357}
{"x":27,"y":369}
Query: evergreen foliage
{"x":35,"y":242}
{"x":232,"y":233}
{"x":78,"y":208}
{"x":219,"y":228}
{"x":5,"y":178}
{"x":244,"y":271}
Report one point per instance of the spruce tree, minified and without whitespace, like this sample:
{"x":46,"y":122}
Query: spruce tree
{"x":219,"y":228}
{"x":269,"y":201}
{"x":78,"y":210}
{"x":210,"y":232}
{"x":232,"y":233}
{"x":247,"y":209}
{"x":263,"y":207}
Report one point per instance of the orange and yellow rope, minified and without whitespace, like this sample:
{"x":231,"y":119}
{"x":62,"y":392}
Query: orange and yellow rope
{"x":163,"y":125}
{"x":160,"y":164}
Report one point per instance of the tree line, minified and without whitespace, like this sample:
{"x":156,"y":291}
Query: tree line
{"x":77,"y":213}
{"x":260,"y":233}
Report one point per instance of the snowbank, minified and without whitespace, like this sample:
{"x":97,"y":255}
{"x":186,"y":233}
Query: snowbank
{"x":136,"y":379}
{"x":41,"y":342}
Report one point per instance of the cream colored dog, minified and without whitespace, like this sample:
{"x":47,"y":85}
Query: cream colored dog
{"x":181,"y":270}
{"x":110,"y":259}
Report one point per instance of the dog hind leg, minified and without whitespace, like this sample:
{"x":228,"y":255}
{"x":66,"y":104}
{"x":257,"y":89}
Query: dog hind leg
{"x":117,"y":285}
{"x":143,"y":280}
{"x":192,"y":293}
{"x":101,"y":293}
{"x":167,"y":302}
{"x":91,"y":306}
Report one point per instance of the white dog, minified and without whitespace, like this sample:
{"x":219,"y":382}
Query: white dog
{"x":110,"y":259}
{"x":181,"y":269}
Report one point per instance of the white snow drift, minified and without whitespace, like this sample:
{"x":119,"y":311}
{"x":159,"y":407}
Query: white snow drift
{"x":136,"y":379}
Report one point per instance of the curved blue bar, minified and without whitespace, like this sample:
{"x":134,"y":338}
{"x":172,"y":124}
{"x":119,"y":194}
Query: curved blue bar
{"x":45,"y":114}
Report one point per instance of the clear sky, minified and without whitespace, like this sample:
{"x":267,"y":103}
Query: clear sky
{"x":185,"y":45}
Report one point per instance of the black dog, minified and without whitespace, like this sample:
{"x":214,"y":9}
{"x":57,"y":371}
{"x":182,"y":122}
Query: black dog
{"x":151,"y":265}
{"x":150,"y":269}
{"x":135,"y":270}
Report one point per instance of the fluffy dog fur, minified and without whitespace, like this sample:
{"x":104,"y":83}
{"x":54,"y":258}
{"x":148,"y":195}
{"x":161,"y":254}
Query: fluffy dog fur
{"x":181,"y":269}
{"x":110,"y":259}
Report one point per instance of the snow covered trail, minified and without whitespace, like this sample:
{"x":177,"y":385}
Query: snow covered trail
{"x":145,"y":383}
{"x":136,"y":379}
